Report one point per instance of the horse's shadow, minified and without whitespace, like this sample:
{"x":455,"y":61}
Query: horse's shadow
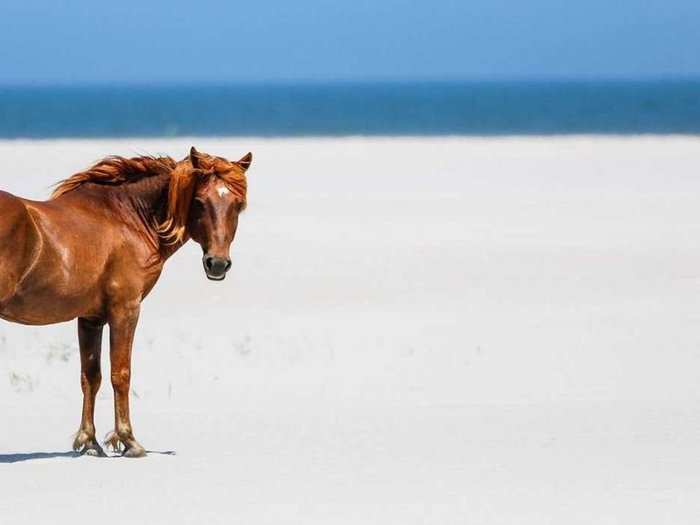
{"x":30,"y":456}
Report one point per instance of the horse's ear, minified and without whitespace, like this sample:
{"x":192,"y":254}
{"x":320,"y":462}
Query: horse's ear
{"x":246,"y":161}
{"x":195,"y":157}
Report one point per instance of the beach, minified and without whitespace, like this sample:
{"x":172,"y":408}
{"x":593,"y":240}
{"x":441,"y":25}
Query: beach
{"x":414,"y":330}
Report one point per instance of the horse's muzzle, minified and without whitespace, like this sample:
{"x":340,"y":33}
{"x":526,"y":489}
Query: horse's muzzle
{"x":216,"y":267}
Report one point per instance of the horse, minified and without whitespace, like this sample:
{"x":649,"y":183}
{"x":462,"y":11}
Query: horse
{"x":97,"y":247}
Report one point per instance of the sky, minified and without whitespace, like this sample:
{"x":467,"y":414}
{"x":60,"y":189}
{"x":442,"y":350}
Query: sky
{"x":46,"y":42}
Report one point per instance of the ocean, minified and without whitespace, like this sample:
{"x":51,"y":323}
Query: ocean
{"x":429,"y":108}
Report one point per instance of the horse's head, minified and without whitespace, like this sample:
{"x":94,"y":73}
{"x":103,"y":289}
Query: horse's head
{"x":219,"y":197}
{"x":205,"y":197}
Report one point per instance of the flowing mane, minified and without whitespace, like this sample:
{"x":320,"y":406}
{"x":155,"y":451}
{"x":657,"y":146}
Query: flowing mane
{"x":116,"y":170}
{"x":119,"y":171}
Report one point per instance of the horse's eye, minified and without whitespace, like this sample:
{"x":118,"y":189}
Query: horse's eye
{"x":197,"y":206}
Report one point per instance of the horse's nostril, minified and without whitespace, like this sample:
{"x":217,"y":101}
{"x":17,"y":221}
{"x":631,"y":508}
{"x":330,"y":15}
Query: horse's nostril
{"x":228,"y":265}
{"x":209,"y":262}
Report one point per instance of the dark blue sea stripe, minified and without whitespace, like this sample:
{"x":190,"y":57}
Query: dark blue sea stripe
{"x":485,"y":108}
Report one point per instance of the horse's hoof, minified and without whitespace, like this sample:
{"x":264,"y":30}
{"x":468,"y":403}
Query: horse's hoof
{"x":85,"y":444}
{"x":112,"y":442}
{"x":136,"y":451}
{"x":93,"y":451}
{"x":131,"y":448}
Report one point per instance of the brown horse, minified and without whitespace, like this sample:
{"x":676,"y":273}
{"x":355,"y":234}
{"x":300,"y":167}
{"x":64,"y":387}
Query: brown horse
{"x":96,"y":249}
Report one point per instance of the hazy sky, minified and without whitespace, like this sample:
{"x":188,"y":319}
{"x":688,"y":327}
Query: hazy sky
{"x":146,"y":41}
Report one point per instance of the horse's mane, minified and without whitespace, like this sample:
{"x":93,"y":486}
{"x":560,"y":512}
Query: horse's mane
{"x":119,"y":171}
{"x":116,"y":170}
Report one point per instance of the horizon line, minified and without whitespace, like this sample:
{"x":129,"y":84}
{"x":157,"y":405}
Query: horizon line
{"x":283,"y":83}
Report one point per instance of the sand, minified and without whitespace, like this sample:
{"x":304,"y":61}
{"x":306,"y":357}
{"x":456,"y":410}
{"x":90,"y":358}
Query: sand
{"x":443,"y":330}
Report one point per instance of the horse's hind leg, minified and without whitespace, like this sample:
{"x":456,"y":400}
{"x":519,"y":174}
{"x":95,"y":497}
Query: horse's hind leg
{"x":90,"y":338}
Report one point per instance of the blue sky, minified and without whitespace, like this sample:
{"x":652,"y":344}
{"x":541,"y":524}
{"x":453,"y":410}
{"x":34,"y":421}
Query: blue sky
{"x":158,"y":41}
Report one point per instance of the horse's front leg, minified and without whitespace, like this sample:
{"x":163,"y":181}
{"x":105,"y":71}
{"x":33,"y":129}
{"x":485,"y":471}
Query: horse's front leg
{"x":122,"y":325}
{"x":90,"y":339}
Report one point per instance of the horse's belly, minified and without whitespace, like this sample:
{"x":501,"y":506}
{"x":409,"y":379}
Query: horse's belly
{"x":47,"y":297}
{"x":21,"y":317}
{"x":34,"y":316}
{"x":43,"y":309}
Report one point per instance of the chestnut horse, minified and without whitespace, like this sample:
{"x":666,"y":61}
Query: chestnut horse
{"x":96,"y":249}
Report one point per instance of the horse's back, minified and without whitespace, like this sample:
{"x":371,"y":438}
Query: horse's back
{"x":10,"y":205}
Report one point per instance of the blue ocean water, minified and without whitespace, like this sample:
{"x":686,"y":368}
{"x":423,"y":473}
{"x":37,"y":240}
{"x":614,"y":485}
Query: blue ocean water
{"x":476,"y":108}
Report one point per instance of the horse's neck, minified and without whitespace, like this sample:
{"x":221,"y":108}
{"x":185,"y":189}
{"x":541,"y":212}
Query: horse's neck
{"x":148,"y":202}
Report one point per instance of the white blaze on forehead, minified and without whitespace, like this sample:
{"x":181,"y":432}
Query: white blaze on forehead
{"x":222,"y":190}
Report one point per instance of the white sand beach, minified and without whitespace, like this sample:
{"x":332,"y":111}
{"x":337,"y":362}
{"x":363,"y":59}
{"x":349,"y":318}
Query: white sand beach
{"x":414,"y":331}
